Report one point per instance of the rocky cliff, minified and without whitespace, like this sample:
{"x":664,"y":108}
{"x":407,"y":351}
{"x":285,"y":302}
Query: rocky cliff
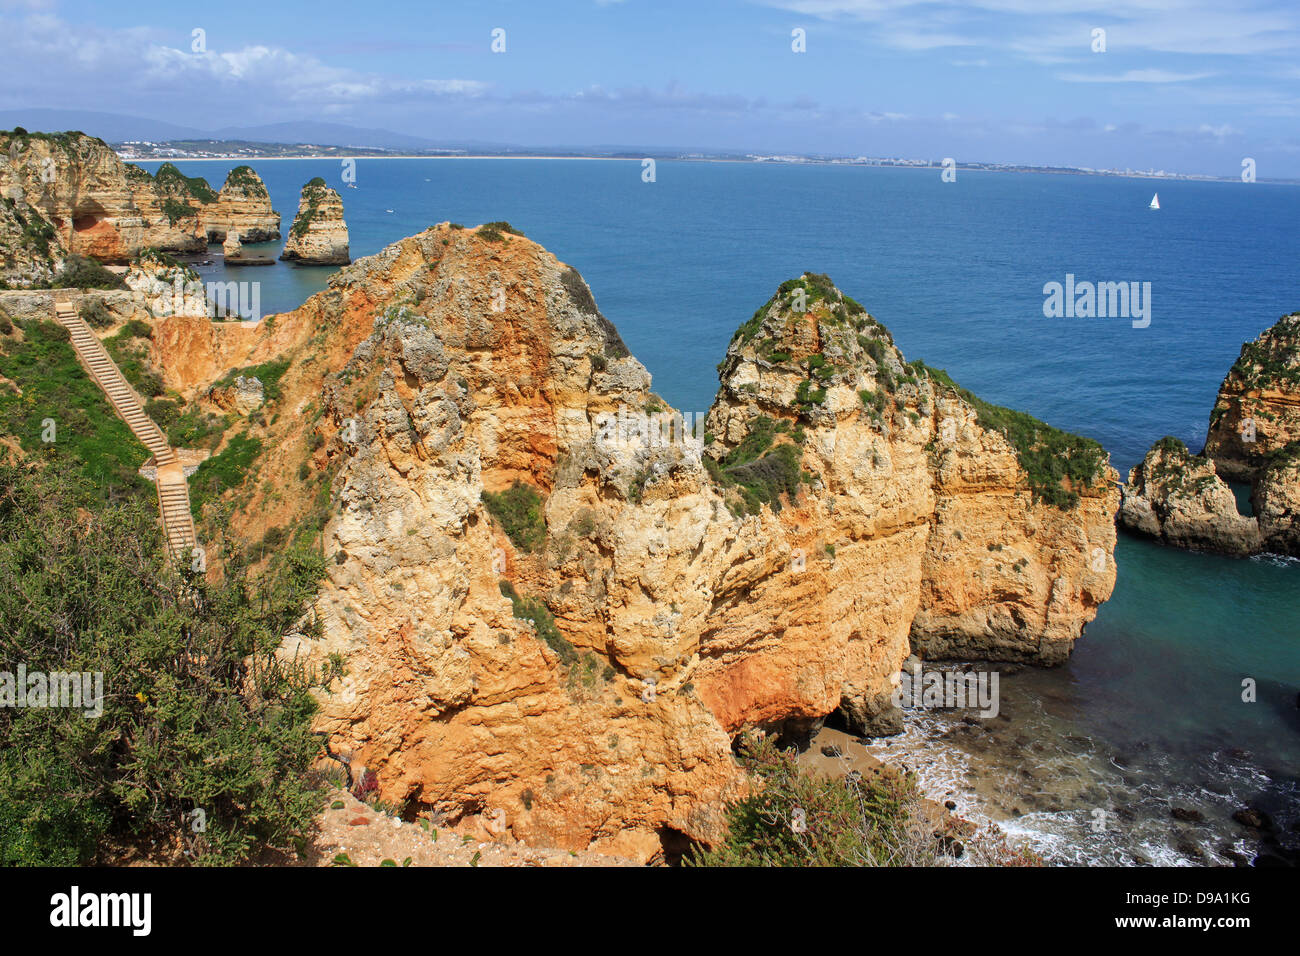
{"x":1256,"y":416}
{"x":72,"y":193}
{"x":1254,"y":436}
{"x":557,"y":602}
{"x":319,"y":236}
{"x":1178,"y":498}
{"x":242,"y":208}
{"x":96,"y":205}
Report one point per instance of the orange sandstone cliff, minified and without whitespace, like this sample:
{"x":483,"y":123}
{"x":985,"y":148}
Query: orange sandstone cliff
{"x":557,"y":604}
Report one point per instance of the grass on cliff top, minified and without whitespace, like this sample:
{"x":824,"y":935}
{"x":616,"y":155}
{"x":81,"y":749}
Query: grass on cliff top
{"x":90,"y":441}
{"x":1048,"y":456}
{"x":496,"y":231}
{"x":1262,"y":364}
{"x":817,"y":288}
{"x":313,"y":192}
{"x":246,"y":178}
{"x":172,"y":180}
{"x":518,"y":510}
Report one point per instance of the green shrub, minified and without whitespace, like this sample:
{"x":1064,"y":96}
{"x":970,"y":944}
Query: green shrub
{"x":496,"y":231}
{"x":531,"y":609}
{"x":95,"y":314}
{"x":796,"y":818}
{"x":81,"y":273}
{"x":198,"y":713}
{"x":518,"y":510}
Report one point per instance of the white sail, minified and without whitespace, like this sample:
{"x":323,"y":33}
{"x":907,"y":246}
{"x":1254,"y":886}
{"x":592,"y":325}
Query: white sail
{"x":1155,"y":201}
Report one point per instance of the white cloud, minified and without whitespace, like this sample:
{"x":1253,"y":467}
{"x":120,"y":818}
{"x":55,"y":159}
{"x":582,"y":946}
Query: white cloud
{"x":1134,"y":76}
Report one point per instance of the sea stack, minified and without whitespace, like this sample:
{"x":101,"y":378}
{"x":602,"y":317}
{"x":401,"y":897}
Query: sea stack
{"x":1176,"y":496}
{"x":319,"y":235}
{"x":243,"y":209}
{"x":1254,"y":437}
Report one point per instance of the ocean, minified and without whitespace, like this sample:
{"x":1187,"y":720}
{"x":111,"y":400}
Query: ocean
{"x":1148,"y":713}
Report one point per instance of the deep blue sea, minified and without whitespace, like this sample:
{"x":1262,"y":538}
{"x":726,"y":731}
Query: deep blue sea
{"x":1148,"y":711}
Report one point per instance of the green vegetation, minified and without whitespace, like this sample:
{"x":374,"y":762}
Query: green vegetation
{"x":175,"y":210}
{"x":1275,"y":360}
{"x":222,"y":471}
{"x":172,"y":180}
{"x":532,"y":609}
{"x":795,"y":818}
{"x":268,"y":373}
{"x":496,"y":231}
{"x":1050,"y":458}
{"x":37,"y":233}
{"x":518,"y":510}
{"x":89,"y":440}
{"x":759,"y":472}
{"x":314,"y":191}
{"x":195,"y":428}
{"x":95,"y":313}
{"x":128,"y":349}
{"x":81,"y":273}
{"x":197,"y":712}
{"x":245,"y":178}
{"x":806,"y":395}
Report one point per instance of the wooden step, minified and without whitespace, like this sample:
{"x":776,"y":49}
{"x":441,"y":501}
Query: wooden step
{"x":173,"y":495}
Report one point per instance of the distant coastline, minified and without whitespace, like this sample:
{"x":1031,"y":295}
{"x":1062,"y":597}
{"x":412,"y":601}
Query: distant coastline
{"x":131,"y":156}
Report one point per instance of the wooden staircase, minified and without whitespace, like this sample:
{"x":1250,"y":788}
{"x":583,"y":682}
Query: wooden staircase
{"x":173,"y":490}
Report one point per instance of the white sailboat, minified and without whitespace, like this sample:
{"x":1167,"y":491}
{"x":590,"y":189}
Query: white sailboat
{"x":1155,"y":202}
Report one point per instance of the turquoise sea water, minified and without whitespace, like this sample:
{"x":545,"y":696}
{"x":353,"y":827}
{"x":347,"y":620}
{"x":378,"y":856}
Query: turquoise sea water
{"x":956,"y":271}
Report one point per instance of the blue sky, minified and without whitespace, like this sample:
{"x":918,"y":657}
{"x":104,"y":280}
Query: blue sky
{"x":1188,"y":85}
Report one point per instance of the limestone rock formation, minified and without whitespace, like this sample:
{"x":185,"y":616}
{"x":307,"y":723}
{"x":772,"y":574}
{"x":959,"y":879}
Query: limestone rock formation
{"x":242,"y":209}
{"x":245,"y":394}
{"x":29,"y":250}
{"x":556,"y":605}
{"x":1256,"y":417}
{"x":232,"y":248}
{"x":168,"y":287}
{"x":96,"y":205}
{"x":319,"y":236}
{"x":1254,"y":437}
{"x":1178,"y":498}
{"x":1275,"y":498}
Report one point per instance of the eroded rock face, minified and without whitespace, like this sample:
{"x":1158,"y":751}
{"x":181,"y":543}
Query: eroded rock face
{"x":242,"y":209}
{"x":319,"y":235}
{"x":582,"y":678}
{"x":168,"y":287}
{"x":1276,"y":501}
{"x":1256,"y":416}
{"x":1178,"y":498}
{"x":245,"y":394}
{"x":29,"y":248}
{"x":97,"y":205}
